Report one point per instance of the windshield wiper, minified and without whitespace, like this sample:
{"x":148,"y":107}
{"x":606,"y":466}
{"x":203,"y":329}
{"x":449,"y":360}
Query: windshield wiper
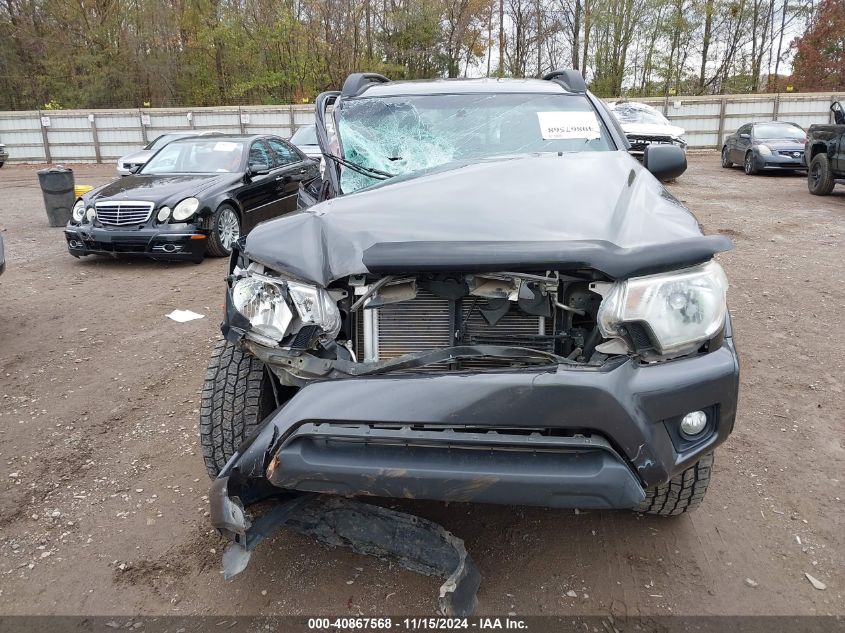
{"x":371,"y":172}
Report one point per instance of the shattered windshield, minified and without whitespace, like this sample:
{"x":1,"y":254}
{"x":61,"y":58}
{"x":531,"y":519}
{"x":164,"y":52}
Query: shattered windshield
{"x":403,"y":134}
{"x":630,"y":112}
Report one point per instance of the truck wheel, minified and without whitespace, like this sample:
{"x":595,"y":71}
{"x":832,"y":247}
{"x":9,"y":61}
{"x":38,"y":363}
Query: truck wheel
{"x":820,"y":180}
{"x":684,"y":492}
{"x":726,"y":162}
{"x":236,"y":397}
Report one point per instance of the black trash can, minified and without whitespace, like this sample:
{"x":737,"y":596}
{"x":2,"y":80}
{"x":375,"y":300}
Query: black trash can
{"x":57,"y":188}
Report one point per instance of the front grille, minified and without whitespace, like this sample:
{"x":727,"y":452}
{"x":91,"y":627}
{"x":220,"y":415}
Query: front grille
{"x":639,"y":143}
{"x":123,"y":213}
{"x":426,"y":323}
{"x":791,"y":153}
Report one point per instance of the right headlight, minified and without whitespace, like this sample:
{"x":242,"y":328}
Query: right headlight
{"x":277,"y":307}
{"x":78,"y":211}
{"x":185,"y":209}
{"x":683,"y":309}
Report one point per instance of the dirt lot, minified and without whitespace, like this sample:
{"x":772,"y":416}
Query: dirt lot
{"x":104,"y":508}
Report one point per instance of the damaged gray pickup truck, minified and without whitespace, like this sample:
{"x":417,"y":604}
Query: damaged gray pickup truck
{"x":490,"y":300}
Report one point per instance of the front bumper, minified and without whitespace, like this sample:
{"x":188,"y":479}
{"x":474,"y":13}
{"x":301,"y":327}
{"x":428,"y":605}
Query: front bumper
{"x":186,"y":243}
{"x":553,"y":436}
{"x":779,"y":161}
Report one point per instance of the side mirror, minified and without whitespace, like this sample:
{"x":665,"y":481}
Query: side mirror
{"x":745,"y":135}
{"x":258,"y":169}
{"x":135,"y":169}
{"x":665,"y":162}
{"x":838,"y":113}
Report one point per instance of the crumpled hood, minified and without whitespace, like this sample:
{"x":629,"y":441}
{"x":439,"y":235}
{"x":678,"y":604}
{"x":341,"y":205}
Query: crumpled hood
{"x":652,"y":129}
{"x":599,"y":210}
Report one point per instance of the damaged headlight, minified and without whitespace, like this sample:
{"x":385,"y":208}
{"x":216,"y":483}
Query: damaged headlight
{"x":683,"y":309}
{"x":78,"y":211}
{"x":264,"y":305}
{"x":278,"y":307}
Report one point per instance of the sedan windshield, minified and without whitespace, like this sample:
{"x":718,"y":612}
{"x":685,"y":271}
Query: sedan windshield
{"x":305,"y":136}
{"x":779,"y":131}
{"x":399,"y":135}
{"x":197,"y":156}
{"x":163,"y":140}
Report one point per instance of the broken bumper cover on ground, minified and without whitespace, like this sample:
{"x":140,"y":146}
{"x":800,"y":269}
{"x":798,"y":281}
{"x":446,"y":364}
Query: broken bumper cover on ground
{"x":185,"y":243}
{"x":554,"y":436}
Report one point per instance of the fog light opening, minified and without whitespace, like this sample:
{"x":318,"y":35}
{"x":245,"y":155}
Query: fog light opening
{"x":694,"y":422}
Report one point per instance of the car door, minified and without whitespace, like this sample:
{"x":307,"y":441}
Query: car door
{"x":839,"y":156}
{"x":741,"y":144}
{"x":257,"y":195}
{"x":295,"y":168}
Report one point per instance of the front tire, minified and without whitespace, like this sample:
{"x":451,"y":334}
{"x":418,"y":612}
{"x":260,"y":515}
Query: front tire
{"x":820,"y":179}
{"x":750,"y":169}
{"x":225,"y":231}
{"x":726,"y":162}
{"x":684,"y":492}
{"x":236,"y":396}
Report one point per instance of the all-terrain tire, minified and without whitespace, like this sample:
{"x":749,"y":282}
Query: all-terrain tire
{"x":684,"y":492}
{"x":820,"y":179}
{"x":236,"y":396}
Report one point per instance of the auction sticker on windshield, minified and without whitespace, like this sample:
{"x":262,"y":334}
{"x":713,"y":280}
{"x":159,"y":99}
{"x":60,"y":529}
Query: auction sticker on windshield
{"x":568,"y":125}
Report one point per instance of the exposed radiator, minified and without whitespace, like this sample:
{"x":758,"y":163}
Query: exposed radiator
{"x":425,"y":323}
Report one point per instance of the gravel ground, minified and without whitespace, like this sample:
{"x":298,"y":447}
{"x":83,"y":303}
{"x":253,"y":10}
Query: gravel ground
{"x":104,"y":494}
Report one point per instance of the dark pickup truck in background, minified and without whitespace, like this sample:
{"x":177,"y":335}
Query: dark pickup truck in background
{"x":824,"y":152}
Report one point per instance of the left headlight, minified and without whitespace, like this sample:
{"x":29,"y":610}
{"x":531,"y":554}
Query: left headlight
{"x":185,"y":209}
{"x":78,"y":211}
{"x":271,"y":305}
{"x":764,"y":150}
{"x":683,"y":309}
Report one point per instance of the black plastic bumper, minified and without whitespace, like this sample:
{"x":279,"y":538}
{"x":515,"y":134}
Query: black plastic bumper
{"x":568,"y":472}
{"x":187,"y":243}
{"x":561,"y":436}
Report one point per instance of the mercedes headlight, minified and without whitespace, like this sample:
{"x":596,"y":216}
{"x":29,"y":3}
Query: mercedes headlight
{"x":278,"y":307}
{"x":78,"y":211}
{"x":682,"y":309}
{"x":185,"y":209}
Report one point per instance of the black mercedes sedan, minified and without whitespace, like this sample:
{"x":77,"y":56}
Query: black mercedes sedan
{"x":774,"y":145}
{"x":195,"y":196}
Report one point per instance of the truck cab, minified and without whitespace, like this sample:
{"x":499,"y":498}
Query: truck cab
{"x":824,"y":152}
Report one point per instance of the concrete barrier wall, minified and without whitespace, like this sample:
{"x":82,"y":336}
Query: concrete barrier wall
{"x":72,"y":136}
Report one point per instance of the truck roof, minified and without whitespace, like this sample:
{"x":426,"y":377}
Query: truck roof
{"x":461,"y":86}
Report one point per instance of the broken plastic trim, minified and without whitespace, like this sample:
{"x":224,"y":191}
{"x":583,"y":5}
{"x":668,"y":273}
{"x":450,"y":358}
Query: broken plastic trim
{"x":325,"y":367}
{"x":416,"y":544}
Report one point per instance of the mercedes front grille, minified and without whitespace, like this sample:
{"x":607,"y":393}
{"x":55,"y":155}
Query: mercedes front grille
{"x":124,"y":212}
